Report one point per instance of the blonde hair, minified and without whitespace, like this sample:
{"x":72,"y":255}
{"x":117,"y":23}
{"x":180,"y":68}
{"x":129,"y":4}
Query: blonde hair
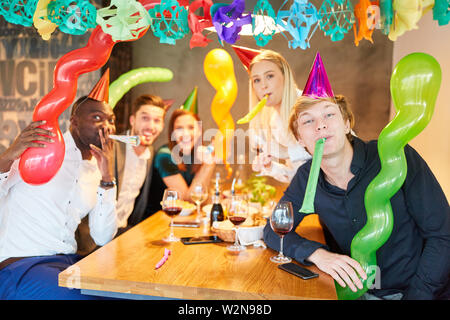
{"x":289,"y":92}
{"x":304,"y":103}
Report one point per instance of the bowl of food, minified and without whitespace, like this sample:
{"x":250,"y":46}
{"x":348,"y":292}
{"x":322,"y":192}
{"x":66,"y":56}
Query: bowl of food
{"x":249,"y":232}
{"x":188,"y":207}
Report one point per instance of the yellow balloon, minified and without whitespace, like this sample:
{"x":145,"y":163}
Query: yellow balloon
{"x":219,"y":70}
{"x":41,"y":22}
{"x":406,"y":15}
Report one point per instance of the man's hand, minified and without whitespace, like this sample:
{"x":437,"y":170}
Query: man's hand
{"x":341,"y":267}
{"x":104,"y":156}
{"x":30,"y":137}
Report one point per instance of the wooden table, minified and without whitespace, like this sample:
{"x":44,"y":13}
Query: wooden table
{"x":125,"y":267}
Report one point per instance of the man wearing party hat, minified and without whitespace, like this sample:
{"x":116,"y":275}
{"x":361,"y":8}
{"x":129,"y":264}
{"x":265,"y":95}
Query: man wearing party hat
{"x":41,"y":220}
{"x":133,"y":163}
{"x":413,"y":261}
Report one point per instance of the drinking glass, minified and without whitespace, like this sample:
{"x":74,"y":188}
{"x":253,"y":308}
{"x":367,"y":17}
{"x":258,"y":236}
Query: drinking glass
{"x":237,"y":214}
{"x":281,"y":222}
{"x":199,"y":194}
{"x":171,"y":207}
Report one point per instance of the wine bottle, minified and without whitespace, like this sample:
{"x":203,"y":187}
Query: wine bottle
{"x":216,"y":209}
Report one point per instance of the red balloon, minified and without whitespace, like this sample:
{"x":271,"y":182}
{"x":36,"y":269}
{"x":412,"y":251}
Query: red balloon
{"x":39,"y":165}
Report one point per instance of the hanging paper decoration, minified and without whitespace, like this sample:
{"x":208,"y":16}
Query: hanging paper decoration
{"x":123,"y":19}
{"x":386,"y":16}
{"x":198,"y":23}
{"x":18,"y":11}
{"x":336,"y":18}
{"x":265,"y":16}
{"x":364,"y":15}
{"x":406,"y":15}
{"x":301,"y":16}
{"x":72,"y":17}
{"x":441,"y":12}
{"x":41,"y":22}
{"x":229,"y":19}
{"x":169,"y":21}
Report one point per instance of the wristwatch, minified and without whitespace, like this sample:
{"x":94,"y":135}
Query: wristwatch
{"x":107,"y":184}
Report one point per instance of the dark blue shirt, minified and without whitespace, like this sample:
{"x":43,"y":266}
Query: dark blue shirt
{"x":415,"y":260}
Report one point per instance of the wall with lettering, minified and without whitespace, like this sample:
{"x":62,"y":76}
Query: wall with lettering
{"x":27,"y":63}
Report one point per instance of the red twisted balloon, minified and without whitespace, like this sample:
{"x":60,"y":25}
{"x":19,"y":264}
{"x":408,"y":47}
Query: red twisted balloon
{"x":39,"y":165}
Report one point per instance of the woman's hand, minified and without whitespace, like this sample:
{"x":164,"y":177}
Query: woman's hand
{"x":262,"y":162}
{"x":341,"y":267}
{"x":205,"y":155}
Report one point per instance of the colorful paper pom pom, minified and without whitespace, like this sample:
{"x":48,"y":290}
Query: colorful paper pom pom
{"x":301,"y":17}
{"x":268,"y":22}
{"x":123,"y":19}
{"x":336,"y":18}
{"x":72,"y":17}
{"x":169,"y":21}
{"x":229,"y":19}
{"x":18,"y":11}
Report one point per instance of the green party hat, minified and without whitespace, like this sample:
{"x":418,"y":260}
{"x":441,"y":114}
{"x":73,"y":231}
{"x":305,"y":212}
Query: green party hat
{"x":191,"y":103}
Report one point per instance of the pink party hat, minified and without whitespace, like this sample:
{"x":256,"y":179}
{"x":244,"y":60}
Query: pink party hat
{"x":318,"y":85}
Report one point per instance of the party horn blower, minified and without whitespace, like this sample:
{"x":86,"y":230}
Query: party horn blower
{"x":310,"y":193}
{"x":415,"y":85}
{"x":133,"y":140}
{"x":249,"y":116}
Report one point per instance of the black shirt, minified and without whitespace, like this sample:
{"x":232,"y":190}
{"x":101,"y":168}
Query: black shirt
{"x":415,"y":260}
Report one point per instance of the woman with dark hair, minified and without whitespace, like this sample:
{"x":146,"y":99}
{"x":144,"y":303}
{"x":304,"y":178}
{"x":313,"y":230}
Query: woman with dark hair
{"x":183,"y":162}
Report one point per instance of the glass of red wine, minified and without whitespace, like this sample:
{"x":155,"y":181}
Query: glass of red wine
{"x":171,"y":207}
{"x":237,"y":214}
{"x":281,"y":222}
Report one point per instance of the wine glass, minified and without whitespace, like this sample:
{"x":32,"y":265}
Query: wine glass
{"x":237,"y":214}
{"x":199,"y":194}
{"x":171,"y":207}
{"x":281,"y":222}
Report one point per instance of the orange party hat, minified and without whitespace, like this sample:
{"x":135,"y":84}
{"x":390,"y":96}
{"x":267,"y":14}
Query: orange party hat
{"x":101,"y":90}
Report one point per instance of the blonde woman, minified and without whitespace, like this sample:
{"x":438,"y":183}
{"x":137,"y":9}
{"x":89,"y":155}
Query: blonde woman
{"x":277,"y":152}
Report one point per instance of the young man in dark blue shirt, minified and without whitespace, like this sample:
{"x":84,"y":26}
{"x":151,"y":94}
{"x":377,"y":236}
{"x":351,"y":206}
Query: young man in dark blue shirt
{"x":415,"y":261}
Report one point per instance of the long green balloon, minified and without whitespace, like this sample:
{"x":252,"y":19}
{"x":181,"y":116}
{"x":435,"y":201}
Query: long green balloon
{"x":134,"y":77}
{"x":415,"y":85}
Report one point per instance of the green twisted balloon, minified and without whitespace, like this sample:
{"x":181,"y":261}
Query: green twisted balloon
{"x":414,"y":85}
{"x":134,"y":77}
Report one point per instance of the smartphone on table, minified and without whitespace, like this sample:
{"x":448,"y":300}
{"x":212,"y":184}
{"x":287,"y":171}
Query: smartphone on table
{"x":201,"y":239}
{"x":298,"y":271}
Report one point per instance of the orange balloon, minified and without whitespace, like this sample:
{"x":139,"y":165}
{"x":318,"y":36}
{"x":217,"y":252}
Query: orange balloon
{"x":219,"y":70}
